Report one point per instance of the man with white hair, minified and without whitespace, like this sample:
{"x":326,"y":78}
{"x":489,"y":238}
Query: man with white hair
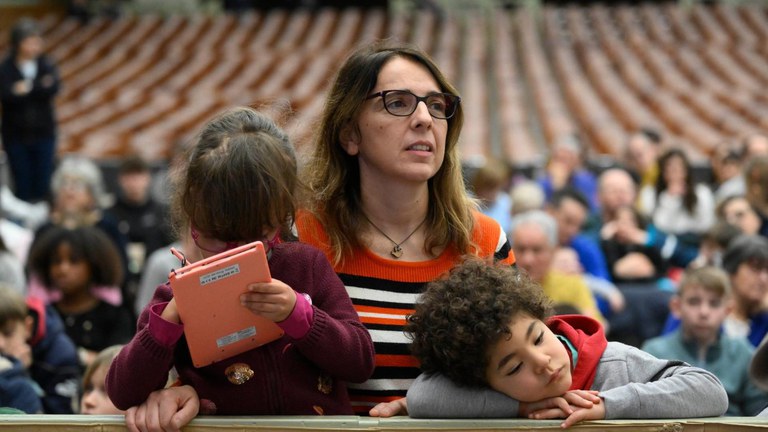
{"x":534,"y":241}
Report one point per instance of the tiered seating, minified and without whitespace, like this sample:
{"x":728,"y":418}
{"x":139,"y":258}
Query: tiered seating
{"x":475,"y":142}
{"x":526,"y":76}
{"x":518,"y":145}
{"x":550,"y":107}
{"x":597,"y":122}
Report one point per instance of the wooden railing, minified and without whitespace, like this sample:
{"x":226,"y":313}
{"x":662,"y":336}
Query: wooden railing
{"x":82,"y":423}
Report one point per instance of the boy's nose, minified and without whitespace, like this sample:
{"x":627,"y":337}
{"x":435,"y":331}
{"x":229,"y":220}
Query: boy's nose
{"x":541,"y":362}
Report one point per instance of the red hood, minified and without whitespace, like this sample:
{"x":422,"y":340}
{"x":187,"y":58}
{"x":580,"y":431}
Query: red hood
{"x":588,"y":337}
{"x":36,"y":309}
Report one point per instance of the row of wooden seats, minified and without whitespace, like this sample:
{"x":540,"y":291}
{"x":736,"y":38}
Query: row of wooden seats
{"x":142,"y":84}
{"x":123,"y":88}
{"x":169,"y":70}
{"x":552,"y":113}
{"x":682,"y":74}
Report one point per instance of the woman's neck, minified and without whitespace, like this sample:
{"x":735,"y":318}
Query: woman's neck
{"x":395,"y":206}
{"x":396,"y":222}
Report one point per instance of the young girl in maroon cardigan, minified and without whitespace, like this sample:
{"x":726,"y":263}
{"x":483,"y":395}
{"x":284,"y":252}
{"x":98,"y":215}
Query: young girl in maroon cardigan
{"x":238,"y":186}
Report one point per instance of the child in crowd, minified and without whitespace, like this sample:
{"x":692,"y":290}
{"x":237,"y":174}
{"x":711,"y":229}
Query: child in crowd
{"x":488,"y":350}
{"x":702,"y":303}
{"x":237,"y":186}
{"x":95,"y":399}
{"x":17,"y":389}
{"x":35,"y":336}
{"x":73,"y":262}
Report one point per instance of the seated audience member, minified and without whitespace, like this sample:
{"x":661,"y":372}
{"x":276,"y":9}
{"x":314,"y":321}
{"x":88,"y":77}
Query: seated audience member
{"x":489,"y":184}
{"x":713,"y":243}
{"x":702,"y":302}
{"x":17,"y":389}
{"x":677,"y":205}
{"x":642,"y":153}
{"x":95,"y":400}
{"x":141,"y":219}
{"x":534,"y":241}
{"x":629,"y":259}
{"x":73,"y":263}
{"x":746,"y":262}
{"x":527,"y":195}
{"x":570,"y":209}
{"x":727,"y":170}
{"x":35,"y":336}
{"x":737,"y":210}
{"x":488,"y":348}
{"x":565,"y":167}
{"x":756,"y":179}
{"x":639,"y":271}
{"x":78,"y":200}
{"x":615,"y":189}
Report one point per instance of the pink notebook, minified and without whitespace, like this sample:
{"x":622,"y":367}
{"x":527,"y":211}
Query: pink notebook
{"x":207,"y":295}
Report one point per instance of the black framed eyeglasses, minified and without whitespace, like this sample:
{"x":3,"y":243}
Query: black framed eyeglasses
{"x":402,"y":103}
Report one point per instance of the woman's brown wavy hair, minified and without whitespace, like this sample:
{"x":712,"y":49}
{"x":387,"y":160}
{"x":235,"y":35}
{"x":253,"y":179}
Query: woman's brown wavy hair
{"x":333,"y":176}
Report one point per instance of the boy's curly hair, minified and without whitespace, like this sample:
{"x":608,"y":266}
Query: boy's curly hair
{"x":460,"y":316}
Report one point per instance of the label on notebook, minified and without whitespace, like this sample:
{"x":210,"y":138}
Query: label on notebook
{"x":220,"y":274}
{"x":237,"y":336}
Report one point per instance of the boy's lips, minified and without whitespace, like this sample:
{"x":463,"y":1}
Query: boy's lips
{"x":555,"y":375}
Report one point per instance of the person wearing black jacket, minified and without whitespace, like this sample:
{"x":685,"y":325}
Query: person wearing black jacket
{"x":29,"y":81}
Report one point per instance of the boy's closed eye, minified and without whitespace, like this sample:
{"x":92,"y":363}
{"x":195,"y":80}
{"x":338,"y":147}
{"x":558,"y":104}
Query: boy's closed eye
{"x":518,"y":366}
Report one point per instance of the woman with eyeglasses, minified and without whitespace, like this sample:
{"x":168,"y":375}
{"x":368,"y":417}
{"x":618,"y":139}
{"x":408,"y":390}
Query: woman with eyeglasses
{"x":237,"y":186}
{"x":387,"y":202}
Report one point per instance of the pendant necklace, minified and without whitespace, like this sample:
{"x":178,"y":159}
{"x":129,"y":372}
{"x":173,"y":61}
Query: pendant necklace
{"x":396,"y":251}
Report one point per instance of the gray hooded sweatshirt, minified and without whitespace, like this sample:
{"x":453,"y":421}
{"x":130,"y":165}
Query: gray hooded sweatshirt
{"x":632,"y":383}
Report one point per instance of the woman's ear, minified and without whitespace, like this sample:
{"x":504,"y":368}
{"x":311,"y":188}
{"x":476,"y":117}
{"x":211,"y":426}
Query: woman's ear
{"x":349,"y":137}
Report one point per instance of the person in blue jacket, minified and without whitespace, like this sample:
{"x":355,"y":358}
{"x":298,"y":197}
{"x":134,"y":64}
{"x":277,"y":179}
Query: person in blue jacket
{"x":16,"y":388}
{"x":33,"y":335}
{"x":55,"y":363}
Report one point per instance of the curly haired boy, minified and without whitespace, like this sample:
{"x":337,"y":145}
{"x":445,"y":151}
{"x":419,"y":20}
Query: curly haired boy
{"x":488,"y":349}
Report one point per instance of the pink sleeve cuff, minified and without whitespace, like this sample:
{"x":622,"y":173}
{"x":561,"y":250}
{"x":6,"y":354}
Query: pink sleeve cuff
{"x":300,"y":320}
{"x":165,"y":332}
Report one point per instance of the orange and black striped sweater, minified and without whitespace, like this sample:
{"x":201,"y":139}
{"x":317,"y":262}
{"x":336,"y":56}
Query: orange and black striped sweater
{"x":384,"y":291}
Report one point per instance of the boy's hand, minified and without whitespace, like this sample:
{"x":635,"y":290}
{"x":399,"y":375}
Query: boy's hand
{"x":596,"y":412}
{"x":559,"y":406}
{"x":274,"y":300}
